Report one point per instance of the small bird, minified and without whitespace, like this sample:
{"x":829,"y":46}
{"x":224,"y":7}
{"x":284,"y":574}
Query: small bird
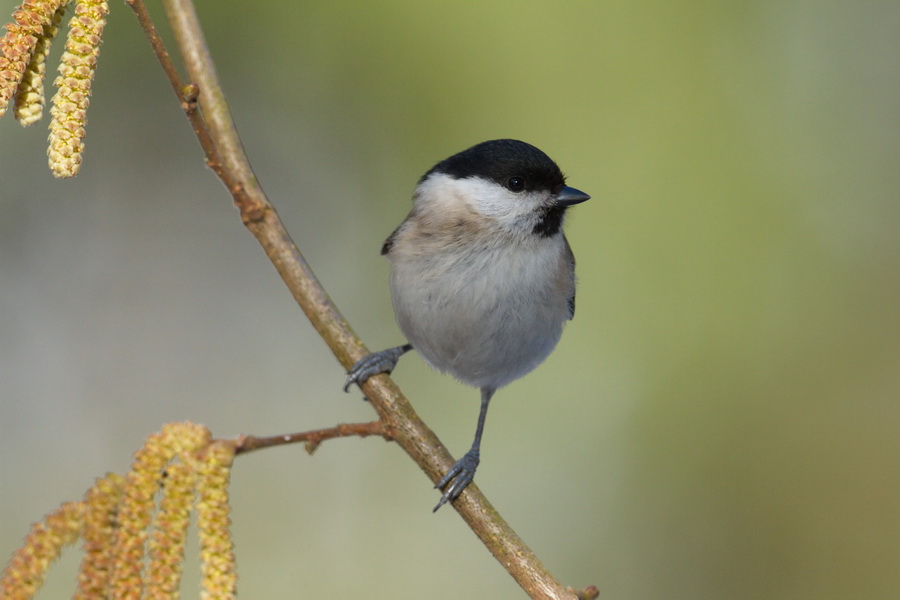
{"x":482,"y":277}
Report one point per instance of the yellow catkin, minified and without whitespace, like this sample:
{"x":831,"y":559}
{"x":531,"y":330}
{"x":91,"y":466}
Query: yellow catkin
{"x":115,"y":516}
{"x":100,"y":523}
{"x":76,"y":71}
{"x":136,"y":510}
{"x":186,"y":438}
{"x":25,"y":572}
{"x":134,"y":516}
{"x":29,"y":104}
{"x":166,"y":546}
{"x":219,"y":574}
{"x":16,"y":47}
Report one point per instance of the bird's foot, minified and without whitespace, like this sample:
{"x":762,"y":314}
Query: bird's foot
{"x":458,"y":477}
{"x":382,"y":361}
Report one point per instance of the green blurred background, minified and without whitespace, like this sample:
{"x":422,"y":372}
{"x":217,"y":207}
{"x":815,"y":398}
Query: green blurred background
{"x":721,"y":418}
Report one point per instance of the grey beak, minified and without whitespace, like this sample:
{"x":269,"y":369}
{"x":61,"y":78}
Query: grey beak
{"x":569,"y":196}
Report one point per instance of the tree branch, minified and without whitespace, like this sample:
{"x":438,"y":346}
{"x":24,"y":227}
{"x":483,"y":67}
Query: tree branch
{"x":225,"y":155}
{"x":187,"y":94}
{"x":248,"y":443}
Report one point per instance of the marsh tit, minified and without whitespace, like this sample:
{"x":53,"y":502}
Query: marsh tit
{"x":482,"y":277}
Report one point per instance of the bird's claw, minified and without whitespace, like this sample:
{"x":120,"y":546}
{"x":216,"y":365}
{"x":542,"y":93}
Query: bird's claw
{"x":458,"y":477}
{"x":382,"y":361}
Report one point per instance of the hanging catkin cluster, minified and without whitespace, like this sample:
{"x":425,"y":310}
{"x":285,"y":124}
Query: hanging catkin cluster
{"x":23,"y":66}
{"x":134,"y":528}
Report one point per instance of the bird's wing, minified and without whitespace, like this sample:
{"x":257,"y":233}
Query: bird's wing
{"x":570,"y":257}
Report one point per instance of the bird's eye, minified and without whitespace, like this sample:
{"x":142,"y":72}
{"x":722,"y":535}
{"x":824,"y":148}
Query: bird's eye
{"x":516,"y":184}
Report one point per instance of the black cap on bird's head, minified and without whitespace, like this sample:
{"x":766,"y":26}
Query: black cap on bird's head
{"x":500,"y":160}
{"x":513,"y":164}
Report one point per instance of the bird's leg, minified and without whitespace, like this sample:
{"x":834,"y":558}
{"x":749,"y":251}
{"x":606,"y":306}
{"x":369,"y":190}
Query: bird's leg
{"x":461,"y":474}
{"x":382,"y":361}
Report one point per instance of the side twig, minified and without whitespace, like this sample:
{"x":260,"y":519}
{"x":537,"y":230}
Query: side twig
{"x":225,"y":155}
{"x":312,"y":439}
{"x":187,"y":94}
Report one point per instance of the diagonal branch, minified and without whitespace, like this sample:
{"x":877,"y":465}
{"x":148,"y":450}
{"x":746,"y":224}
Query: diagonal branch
{"x":225,"y":155}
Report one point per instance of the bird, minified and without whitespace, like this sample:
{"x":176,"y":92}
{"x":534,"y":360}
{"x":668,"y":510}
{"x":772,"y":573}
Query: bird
{"x":482,"y":278}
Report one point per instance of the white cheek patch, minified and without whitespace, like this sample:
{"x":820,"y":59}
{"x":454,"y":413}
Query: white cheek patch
{"x":481,"y":195}
{"x":439,"y":193}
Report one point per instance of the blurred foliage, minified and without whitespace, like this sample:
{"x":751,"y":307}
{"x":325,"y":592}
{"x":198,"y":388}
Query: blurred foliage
{"x":723,"y":409}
